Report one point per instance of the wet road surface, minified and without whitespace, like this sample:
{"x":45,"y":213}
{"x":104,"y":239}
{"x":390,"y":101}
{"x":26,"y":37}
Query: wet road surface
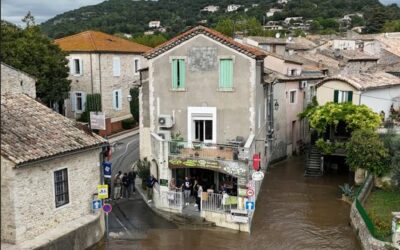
{"x":293,"y":212}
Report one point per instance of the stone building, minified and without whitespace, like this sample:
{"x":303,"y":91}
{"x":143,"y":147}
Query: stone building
{"x":14,"y":81}
{"x":49,"y":175}
{"x":106,"y":65}
{"x":206,"y":91}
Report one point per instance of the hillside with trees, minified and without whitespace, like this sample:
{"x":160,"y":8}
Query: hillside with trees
{"x":132,"y":17}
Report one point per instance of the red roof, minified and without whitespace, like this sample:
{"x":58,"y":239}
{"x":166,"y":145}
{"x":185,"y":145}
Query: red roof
{"x":247,"y":50}
{"x":95,"y":41}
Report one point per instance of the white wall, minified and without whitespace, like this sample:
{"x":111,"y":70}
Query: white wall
{"x":381,"y":99}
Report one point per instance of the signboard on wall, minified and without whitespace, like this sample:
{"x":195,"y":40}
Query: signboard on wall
{"x":164,"y":182}
{"x":98,"y":120}
{"x":192,"y":163}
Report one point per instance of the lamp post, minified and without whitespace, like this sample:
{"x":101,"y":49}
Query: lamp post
{"x":129,"y":97}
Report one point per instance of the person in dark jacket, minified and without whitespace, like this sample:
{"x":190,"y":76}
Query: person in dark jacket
{"x":125,"y":186}
{"x":131,"y":179}
{"x":150,"y":183}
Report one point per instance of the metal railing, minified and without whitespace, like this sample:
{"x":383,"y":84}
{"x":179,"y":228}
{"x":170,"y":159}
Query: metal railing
{"x":202,"y":150}
{"x":171,"y":200}
{"x":218,"y":202}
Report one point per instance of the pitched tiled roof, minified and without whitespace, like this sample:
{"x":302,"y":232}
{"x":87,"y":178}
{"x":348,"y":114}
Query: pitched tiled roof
{"x":365,"y":81}
{"x":247,"y":50}
{"x":95,"y":41}
{"x":268,"y":40}
{"x":31,"y":131}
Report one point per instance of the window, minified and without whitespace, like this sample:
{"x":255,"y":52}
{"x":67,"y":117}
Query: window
{"x":178,"y":73}
{"x":136,"y":65}
{"x":76,"y":67}
{"x":61,"y":187}
{"x":117,"y":99}
{"x":78,"y":101}
{"x":116,"y":66}
{"x":226,"y":74}
{"x":203,"y":130}
{"x":340,"y":96}
{"x":292,"y":96}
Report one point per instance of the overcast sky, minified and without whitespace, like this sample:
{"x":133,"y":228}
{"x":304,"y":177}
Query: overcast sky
{"x":15,"y":10}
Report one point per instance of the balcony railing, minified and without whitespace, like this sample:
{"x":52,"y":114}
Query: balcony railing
{"x":184,"y":149}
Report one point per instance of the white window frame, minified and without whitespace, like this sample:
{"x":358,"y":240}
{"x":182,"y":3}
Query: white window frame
{"x":117,"y":99}
{"x":74,"y":101}
{"x":116,"y":66}
{"x":201,"y":113}
{"x":72,"y":67}
{"x":343,"y":96}
{"x":290,"y":96}
{"x":136,"y":70}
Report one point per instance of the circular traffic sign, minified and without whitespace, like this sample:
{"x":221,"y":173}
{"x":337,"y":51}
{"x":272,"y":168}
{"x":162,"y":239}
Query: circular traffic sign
{"x":257,"y":176}
{"x":250,"y":192}
{"x":107,"y":208}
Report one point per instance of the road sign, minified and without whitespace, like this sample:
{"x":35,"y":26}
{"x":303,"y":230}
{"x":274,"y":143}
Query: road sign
{"x":257,"y":176}
{"x":96,"y":205}
{"x":107,"y":169}
{"x":250,"y":192}
{"x":107,"y":208}
{"x":251,"y":184}
{"x":102,"y":191}
{"x":250,"y":205}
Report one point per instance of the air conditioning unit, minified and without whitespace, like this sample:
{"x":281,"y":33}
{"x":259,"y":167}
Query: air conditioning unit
{"x":165,"y":134}
{"x":303,"y":84}
{"x":165,"y":121}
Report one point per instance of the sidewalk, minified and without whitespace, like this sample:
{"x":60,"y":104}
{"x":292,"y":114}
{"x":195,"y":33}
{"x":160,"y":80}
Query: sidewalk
{"x":123,"y":135}
{"x":181,"y":220}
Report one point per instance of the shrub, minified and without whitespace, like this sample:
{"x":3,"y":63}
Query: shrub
{"x":128,"y":123}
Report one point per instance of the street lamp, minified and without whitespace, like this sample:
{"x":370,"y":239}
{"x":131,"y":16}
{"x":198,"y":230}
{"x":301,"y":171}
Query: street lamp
{"x":276,"y":104}
{"x":129,"y":97}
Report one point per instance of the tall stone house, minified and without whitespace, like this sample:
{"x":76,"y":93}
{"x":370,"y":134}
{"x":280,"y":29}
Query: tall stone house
{"x":203,"y":112}
{"x":49,"y":174}
{"x":102,"y":64}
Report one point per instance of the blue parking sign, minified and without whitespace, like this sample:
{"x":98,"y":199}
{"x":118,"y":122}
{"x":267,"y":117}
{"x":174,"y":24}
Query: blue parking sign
{"x":107,"y":169}
{"x":250,"y":205}
{"x":96,"y":205}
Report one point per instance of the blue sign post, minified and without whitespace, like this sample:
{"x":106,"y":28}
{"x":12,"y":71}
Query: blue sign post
{"x":107,"y":169}
{"x":96,"y":205}
{"x":250,"y":205}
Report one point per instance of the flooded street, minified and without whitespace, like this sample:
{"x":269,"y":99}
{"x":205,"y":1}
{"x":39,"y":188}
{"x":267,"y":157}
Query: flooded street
{"x":293,"y":212}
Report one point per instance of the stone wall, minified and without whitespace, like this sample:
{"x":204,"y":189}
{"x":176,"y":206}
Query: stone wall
{"x":14,"y":81}
{"x":7,"y":205}
{"x":33,"y":195}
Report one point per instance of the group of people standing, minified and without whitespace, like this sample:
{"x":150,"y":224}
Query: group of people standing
{"x":190,"y":189}
{"x":124,"y":185}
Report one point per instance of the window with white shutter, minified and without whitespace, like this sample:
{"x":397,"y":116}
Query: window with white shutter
{"x":136,"y":66}
{"x":117,"y":99}
{"x":116,"y":66}
{"x":76,"y":66}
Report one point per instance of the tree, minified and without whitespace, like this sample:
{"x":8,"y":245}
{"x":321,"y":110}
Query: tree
{"x":32,"y":52}
{"x":134,"y":104}
{"x":367,"y":151}
{"x":391,"y":26}
{"x":225,"y":26}
{"x":150,"y":40}
{"x":375,"y":21}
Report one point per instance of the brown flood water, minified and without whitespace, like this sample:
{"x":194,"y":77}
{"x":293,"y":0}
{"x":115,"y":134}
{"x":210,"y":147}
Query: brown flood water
{"x":293,"y":212}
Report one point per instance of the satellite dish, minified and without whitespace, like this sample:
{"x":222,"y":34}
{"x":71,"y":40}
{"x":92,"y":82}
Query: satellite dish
{"x":277,"y":35}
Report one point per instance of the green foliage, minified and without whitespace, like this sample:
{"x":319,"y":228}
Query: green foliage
{"x":93,"y":104}
{"x":225,"y":26}
{"x":32,"y":52}
{"x":392,"y":143}
{"x":330,"y":114}
{"x":150,"y":40}
{"x":328,"y":147}
{"x":309,"y":109}
{"x":132,"y":17}
{"x":134,"y":104}
{"x":391,"y":26}
{"x":375,"y":20}
{"x":367,"y":151}
{"x":128,"y":123}
{"x":347,"y":190}
{"x":143,"y":168}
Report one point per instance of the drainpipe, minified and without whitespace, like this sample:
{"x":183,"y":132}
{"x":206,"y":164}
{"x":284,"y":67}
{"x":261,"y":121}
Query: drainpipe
{"x":101,"y":93}
{"x":91,"y":72}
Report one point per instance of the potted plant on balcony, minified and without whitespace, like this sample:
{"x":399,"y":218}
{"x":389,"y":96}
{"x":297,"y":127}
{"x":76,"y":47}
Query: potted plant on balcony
{"x":175,"y":144}
{"x":196,"y":148}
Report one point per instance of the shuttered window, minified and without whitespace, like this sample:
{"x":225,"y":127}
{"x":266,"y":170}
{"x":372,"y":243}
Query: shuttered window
{"x":225,"y":73}
{"x":178,"y":73}
{"x":78,"y":101}
{"x":117,"y":99}
{"x":340,"y":96}
{"x":76,"y":66}
{"x":116,"y":66}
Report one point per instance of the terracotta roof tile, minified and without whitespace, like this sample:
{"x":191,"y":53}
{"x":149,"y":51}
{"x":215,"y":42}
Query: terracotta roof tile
{"x":247,"y":50}
{"x":31,"y":131}
{"x":95,"y":41}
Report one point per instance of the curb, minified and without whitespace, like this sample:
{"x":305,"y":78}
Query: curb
{"x":123,"y":132}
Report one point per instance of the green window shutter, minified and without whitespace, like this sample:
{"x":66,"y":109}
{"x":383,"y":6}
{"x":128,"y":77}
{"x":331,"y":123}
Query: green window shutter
{"x":174,"y":73}
{"x":350,"y":93}
{"x":336,"y":96}
{"x":182,"y":73}
{"x":225,"y":73}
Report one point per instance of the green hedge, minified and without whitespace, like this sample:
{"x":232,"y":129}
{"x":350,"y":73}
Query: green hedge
{"x":128,"y":123}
